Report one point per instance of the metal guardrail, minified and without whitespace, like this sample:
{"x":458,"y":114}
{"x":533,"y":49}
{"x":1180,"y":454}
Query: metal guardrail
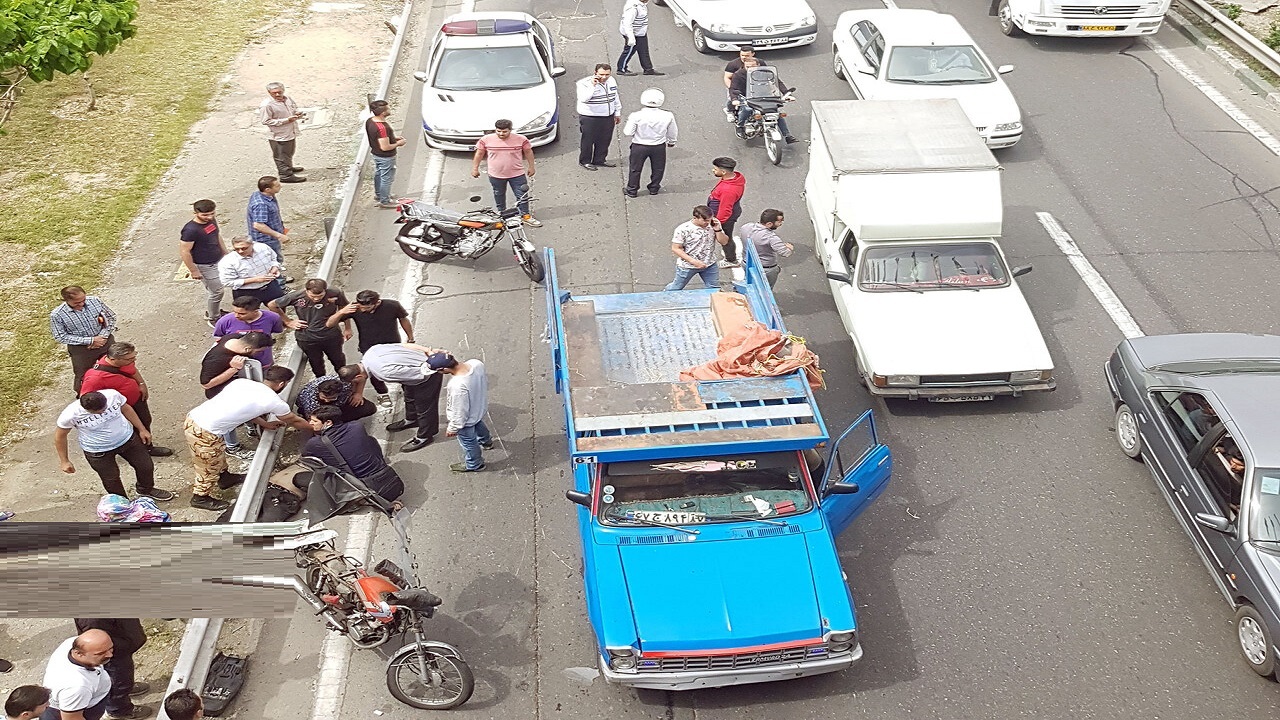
{"x":1237,"y":35}
{"x":199,"y":641}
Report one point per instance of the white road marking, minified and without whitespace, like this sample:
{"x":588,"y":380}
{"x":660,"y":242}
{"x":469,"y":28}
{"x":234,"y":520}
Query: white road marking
{"x":1092,"y":278}
{"x":890,"y":4}
{"x":1215,"y":96}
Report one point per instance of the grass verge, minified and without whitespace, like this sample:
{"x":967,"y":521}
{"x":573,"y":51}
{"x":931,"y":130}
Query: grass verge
{"x":73,"y":179}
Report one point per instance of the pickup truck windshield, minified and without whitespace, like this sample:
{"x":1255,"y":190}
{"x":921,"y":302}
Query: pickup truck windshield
{"x":703,"y":490}
{"x":938,"y":65}
{"x":951,"y":266}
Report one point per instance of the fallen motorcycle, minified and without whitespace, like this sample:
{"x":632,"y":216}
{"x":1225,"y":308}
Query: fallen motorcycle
{"x":431,"y":233}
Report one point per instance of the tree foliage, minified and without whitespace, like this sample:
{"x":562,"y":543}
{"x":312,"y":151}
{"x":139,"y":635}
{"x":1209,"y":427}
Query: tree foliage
{"x":40,"y":38}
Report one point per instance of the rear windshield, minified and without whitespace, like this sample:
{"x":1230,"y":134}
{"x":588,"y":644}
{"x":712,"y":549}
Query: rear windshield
{"x":933,"y":267}
{"x":704,"y":490}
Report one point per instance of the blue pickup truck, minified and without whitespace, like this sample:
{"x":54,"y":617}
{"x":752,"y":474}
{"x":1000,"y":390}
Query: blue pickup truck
{"x":707,"y":510}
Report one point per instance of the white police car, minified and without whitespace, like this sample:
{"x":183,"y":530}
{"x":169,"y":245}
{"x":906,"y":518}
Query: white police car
{"x":484,"y":66}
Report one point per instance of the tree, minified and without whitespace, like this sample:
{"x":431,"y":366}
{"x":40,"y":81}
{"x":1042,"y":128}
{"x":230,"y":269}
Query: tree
{"x":41,"y":38}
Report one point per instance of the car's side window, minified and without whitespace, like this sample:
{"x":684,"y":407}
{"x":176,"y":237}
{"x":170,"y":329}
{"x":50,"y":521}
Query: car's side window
{"x":861,"y":35}
{"x":875,"y":51}
{"x":849,"y":249}
{"x":1222,"y":469}
{"x":543,"y":52}
{"x":1189,"y":415}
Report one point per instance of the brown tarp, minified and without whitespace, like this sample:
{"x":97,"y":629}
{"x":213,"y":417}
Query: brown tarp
{"x":753,"y":350}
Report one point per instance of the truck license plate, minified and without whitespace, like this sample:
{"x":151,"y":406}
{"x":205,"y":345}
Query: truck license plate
{"x":1098,"y":28}
{"x":963,"y":398}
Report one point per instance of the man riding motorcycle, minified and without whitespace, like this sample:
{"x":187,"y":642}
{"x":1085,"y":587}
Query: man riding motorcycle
{"x":738,"y":87}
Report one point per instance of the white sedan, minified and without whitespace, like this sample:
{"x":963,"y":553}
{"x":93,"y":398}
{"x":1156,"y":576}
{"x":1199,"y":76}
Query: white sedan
{"x":919,"y":54}
{"x":726,"y":25}
{"x":484,"y":66}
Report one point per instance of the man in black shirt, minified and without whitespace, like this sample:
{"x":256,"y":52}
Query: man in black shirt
{"x":744,"y":52}
{"x":317,"y":338}
{"x":382,"y":144}
{"x":357,"y":453}
{"x":201,"y":248}
{"x":377,"y":322}
{"x":222,"y":364}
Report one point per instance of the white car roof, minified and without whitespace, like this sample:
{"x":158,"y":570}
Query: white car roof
{"x":454,"y":42}
{"x":915,"y":27}
{"x":490,"y":15}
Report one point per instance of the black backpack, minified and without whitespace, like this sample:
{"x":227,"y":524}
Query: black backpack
{"x":278,"y":505}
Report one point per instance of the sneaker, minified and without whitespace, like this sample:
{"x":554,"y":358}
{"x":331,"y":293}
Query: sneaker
{"x":730,"y":116}
{"x":141,"y":688}
{"x":384,"y":400}
{"x":157,"y":451}
{"x":487,"y":446}
{"x":791,"y":139}
{"x":532,"y":221}
{"x":653,"y":72}
{"x":204,"y":502}
{"x":628,"y":73}
{"x":253,"y":430}
{"x":462,"y":467}
{"x":5,"y":666}
{"x":588,"y":166}
{"x":388,"y":205}
{"x":138,"y":711}
{"x":630,"y":193}
{"x":228,"y":480}
{"x":5,"y":515}
{"x":211,"y":321}
{"x":158,"y":494}
{"x":399,"y":425}
{"x":241,"y":453}
{"x":417,"y":443}
{"x":607,"y":164}
{"x":293,"y":179}
{"x":654,"y":191}
{"x":742,"y":134}
{"x":726,"y":264}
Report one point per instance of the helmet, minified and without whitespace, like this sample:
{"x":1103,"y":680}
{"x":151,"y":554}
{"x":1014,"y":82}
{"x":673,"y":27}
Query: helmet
{"x":652,"y":97}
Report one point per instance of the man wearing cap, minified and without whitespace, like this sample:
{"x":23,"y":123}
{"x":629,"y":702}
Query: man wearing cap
{"x":404,"y":363}
{"x":652,"y":131}
{"x":468,"y":401}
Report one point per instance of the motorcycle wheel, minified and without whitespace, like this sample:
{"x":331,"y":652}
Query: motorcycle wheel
{"x":425,"y":256}
{"x":450,"y":685}
{"x":530,"y":264}
{"x":773,"y":145}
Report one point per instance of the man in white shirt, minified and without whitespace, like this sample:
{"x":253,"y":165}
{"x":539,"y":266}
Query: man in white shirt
{"x":281,"y":115}
{"x":251,"y":268}
{"x":240,"y":401}
{"x":634,"y":27}
{"x":598,"y":111}
{"x":652,"y":131}
{"x":77,"y":682}
{"x":466,"y":404}
{"x":108,"y":428}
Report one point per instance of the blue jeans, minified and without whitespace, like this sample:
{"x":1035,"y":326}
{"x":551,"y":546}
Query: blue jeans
{"x":519,"y":187}
{"x":274,"y":244}
{"x":710,"y":276}
{"x":744,"y":114}
{"x":471,"y":437}
{"x":384,"y":173}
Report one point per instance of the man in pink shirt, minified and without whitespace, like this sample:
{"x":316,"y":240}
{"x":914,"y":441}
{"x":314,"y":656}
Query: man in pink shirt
{"x":509,"y":159}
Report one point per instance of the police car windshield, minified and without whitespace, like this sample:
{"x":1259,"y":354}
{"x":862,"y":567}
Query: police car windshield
{"x":495,"y":68}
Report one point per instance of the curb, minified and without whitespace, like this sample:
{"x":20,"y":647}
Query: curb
{"x":1242,"y":72}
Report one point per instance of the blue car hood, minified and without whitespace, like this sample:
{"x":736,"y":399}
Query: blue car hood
{"x":710,"y":595}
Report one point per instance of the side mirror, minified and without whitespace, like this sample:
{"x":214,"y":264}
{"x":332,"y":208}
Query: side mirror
{"x":474,"y":199}
{"x":420,"y":76}
{"x":1021,"y":270}
{"x":867,"y":71}
{"x":838,"y":276}
{"x":578,"y":498}
{"x":558,"y":71}
{"x":843,"y":488}
{"x":1004,"y":69}
{"x":1214,"y":522}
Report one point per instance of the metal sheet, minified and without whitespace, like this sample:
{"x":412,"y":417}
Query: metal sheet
{"x":798,"y":411}
{"x":881,"y":136}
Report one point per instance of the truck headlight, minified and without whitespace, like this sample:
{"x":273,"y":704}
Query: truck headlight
{"x":838,"y":642}
{"x":1002,"y":127}
{"x":622,"y":658}
{"x":536,"y":123}
{"x":1027,"y":376}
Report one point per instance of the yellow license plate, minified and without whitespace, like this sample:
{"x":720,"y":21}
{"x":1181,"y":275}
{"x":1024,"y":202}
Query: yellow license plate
{"x":1098,"y":28}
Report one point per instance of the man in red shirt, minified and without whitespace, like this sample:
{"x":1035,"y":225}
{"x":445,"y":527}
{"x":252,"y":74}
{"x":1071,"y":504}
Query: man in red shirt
{"x":116,"y":371}
{"x":726,"y":202}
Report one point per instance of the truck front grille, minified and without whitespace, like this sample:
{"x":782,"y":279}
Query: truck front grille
{"x":1118,"y":11}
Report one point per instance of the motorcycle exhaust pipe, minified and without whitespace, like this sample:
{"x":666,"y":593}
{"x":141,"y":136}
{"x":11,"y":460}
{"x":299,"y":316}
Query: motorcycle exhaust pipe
{"x":294,"y":583}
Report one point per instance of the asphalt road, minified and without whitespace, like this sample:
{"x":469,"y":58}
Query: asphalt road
{"x":1018,"y":565}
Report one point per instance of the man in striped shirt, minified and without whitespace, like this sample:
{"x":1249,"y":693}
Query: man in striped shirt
{"x":251,"y":269}
{"x":85,"y":325}
{"x":598,"y":111}
{"x":635,"y":37}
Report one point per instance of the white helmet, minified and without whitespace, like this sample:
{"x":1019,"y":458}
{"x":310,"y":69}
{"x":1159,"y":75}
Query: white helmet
{"x":652,"y":97}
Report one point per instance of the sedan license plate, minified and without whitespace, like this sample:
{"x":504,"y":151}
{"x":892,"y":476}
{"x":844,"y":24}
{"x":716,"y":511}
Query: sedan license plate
{"x":770,"y":41}
{"x":963,"y":398}
{"x":1098,"y":28}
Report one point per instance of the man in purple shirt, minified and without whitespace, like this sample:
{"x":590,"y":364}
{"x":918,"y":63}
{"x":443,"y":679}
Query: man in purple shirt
{"x":247,"y":315}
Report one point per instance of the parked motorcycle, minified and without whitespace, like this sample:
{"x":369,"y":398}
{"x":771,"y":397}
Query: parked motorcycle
{"x":431,"y":233}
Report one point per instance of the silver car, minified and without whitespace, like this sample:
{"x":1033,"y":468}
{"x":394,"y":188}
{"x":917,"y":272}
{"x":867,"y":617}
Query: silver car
{"x":1200,"y":410}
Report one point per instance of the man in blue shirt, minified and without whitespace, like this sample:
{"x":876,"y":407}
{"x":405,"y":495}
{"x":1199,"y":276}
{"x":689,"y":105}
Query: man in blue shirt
{"x":266,"y":225}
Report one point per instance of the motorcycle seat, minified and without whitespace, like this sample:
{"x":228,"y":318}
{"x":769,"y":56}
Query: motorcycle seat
{"x":418,"y":599}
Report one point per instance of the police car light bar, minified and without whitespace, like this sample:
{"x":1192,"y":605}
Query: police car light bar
{"x":485,"y":27}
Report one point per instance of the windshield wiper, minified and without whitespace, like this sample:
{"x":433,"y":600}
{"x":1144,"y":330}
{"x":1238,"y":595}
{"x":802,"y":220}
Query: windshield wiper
{"x":912,"y":81}
{"x":651,"y":523}
{"x":755,"y":518}
{"x":901,"y":286}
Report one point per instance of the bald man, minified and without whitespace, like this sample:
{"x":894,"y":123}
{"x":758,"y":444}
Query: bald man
{"x":76,"y":679}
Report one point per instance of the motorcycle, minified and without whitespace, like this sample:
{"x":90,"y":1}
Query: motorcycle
{"x":431,"y":233}
{"x":370,"y":608}
{"x":763,"y":122}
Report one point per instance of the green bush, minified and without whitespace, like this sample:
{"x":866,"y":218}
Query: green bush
{"x":1272,"y":38}
{"x":1231,"y":10}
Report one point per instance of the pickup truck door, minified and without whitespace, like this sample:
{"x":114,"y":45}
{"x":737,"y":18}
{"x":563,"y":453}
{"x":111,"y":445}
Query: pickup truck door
{"x":857,"y":471}
{"x":836,"y":252}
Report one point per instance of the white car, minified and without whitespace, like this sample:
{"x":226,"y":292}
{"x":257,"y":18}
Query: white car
{"x":918,"y":54}
{"x":942,"y":321}
{"x":726,"y":25}
{"x":484,"y":66}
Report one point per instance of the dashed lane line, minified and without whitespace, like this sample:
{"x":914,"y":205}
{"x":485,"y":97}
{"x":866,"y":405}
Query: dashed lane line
{"x":1092,"y":278}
